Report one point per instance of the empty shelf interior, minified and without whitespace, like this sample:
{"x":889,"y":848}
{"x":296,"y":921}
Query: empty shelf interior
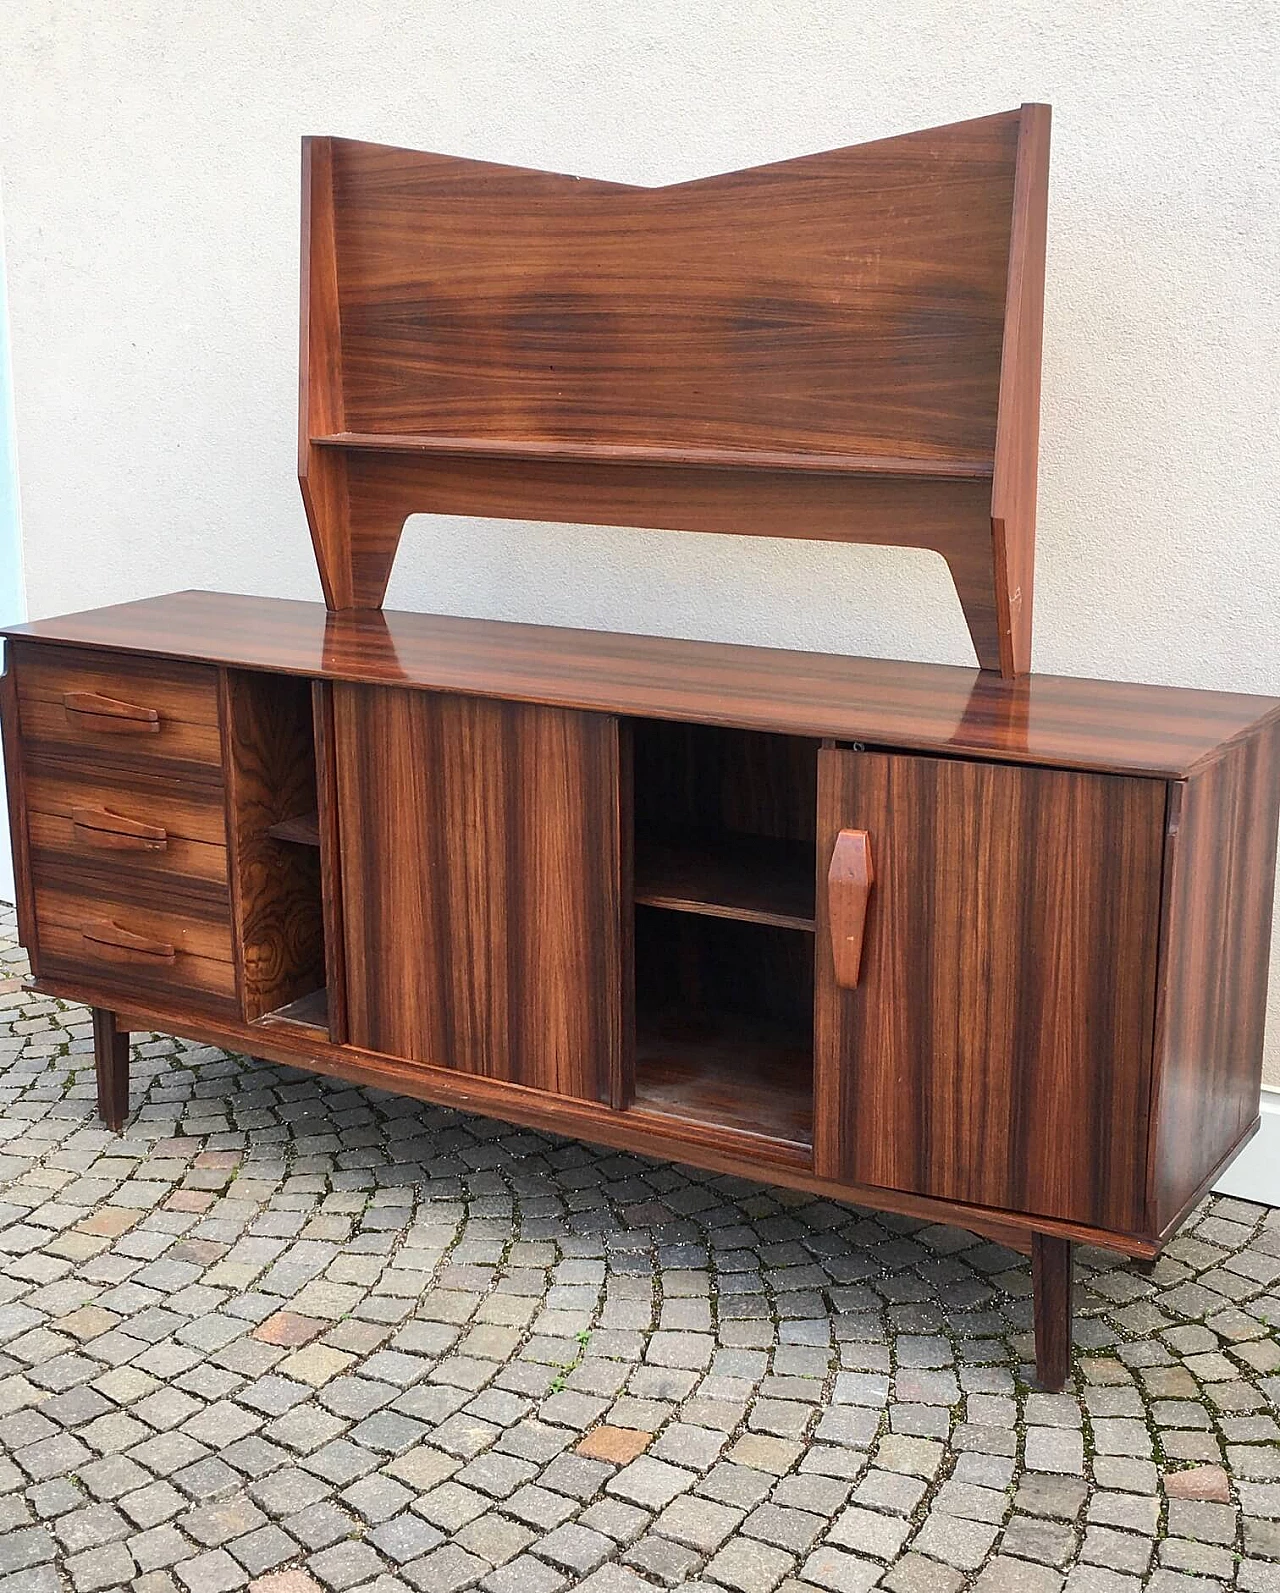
{"x":724,"y":822}
{"x":724,"y":1025}
{"x":758,"y":878}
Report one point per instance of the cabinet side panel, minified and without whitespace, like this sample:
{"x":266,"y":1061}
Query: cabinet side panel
{"x":480,"y":851}
{"x":997,"y":1047}
{"x":1214,"y":964}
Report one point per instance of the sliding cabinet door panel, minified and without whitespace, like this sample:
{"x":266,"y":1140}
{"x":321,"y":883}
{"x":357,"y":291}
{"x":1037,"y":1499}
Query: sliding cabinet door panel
{"x":996,"y":1048}
{"x":480,"y":852}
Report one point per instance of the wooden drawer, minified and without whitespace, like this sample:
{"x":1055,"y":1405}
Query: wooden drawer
{"x":132,"y":710}
{"x":131,"y":938}
{"x":125,"y":824}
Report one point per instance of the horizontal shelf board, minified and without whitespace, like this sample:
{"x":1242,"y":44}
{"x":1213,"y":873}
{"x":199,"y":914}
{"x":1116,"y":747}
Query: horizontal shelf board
{"x":309,"y":1014}
{"x":726,"y":1072}
{"x":304,"y":830}
{"x":757,"y":879}
{"x":692,"y":457}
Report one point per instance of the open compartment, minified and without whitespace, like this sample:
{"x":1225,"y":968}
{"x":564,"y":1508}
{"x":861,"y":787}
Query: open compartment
{"x":723,"y":889}
{"x":274,"y":834}
{"x":724,"y":1024}
{"x":725,"y":822}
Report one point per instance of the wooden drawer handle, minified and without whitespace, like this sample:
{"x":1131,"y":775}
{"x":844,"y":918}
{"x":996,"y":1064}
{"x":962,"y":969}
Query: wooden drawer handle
{"x":101,"y":827}
{"x":849,"y":882}
{"x":93,"y":711}
{"x":123,"y":945}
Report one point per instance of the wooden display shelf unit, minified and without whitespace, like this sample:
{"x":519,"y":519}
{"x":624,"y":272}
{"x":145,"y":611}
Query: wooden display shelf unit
{"x":971,"y":945}
{"x":841,"y":347}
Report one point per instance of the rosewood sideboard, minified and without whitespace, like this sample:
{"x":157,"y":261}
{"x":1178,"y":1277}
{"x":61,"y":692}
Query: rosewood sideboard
{"x":969,"y":944}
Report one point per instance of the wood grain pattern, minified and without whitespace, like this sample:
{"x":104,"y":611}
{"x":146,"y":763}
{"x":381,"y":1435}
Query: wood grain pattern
{"x":88,"y":921}
{"x":480,"y":866}
{"x":724,"y":821}
{"x":1214,"y":959}
{"x":1011,"y":939}
{"x":1008,"y":986}
{"x":709,"y":779}
{"x":52,"y":681}
{"x":193,"y":860}
{"x":55,"y":839}
{"x":302,"y":830}
{"x":186,"y":810}
{"x":725,"y":1075}
{"x":592,"y":451}
{"x":1055,"y":720}
{"x":271,"y":775}
{"x":487,"y":339}
{"x":856,"y":297}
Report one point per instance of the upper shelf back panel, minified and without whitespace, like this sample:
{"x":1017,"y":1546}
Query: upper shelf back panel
{"x":850,"y":302}
{"x":844,"y":346}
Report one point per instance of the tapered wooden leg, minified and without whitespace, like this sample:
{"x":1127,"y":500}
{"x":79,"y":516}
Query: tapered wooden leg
{"x":111,"y":1062}
{"x":1051,"y":1290}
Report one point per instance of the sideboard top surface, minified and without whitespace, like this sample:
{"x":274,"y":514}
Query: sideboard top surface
{"x":1045,"y":719}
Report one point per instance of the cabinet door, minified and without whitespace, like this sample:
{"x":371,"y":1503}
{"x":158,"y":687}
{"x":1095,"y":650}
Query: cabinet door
{"x":997,"y":1046}
{"x":480,"y":880}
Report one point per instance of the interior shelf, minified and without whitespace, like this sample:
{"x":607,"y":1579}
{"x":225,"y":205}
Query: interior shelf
{"x":304,"y":829}
{"x":951,"y":468}
{"x":309,"y":1012}
{"x":759,"y":879}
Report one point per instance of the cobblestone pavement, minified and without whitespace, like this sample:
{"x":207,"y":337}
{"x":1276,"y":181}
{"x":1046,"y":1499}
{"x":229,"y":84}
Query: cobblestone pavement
{"x":291,"y":1335}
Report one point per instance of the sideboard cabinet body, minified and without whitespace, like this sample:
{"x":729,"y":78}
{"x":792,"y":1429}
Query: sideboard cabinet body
{"x":592,"y":883}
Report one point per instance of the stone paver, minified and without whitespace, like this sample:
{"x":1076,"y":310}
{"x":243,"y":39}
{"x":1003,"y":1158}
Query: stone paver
{"x":285,"y":1335}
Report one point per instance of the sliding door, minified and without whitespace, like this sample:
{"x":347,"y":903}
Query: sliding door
{"x":481,"y":881}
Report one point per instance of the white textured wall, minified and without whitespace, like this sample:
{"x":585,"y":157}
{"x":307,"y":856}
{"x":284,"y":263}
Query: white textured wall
{"x":149,"y":152}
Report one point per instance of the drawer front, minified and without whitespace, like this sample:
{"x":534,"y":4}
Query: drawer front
{"x":126,"y":826}
{"x":134,"y":711}
{"x":124,"y":937}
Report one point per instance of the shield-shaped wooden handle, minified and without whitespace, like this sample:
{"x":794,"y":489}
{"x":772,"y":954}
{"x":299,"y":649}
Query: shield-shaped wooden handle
{"x":849,"y":882}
